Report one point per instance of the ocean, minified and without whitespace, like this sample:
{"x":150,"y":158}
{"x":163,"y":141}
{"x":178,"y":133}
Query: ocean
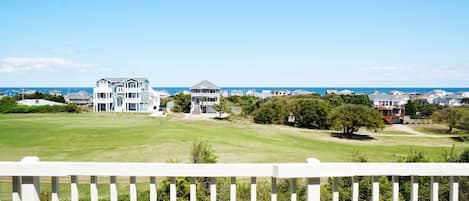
{"x":175,"y":90}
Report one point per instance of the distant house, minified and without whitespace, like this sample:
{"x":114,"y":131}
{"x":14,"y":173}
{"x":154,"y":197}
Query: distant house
{"x":345,"y":92}
{"x":38,"y":102}
{"x":80,"y":98}
{"x":237,"y":93}
{"x":423,"y":98}
{"x":301,"y":92}
{"x":331,"y":91}
{"x":203,"y":96}
{"x":55,"y":93}
{"x":125,"y":95}
{"x":281,"y":93}
{"x":392,"y":107}
{"x":449,"y":100}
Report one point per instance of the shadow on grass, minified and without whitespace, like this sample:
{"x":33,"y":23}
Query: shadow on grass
{"x":352,"y":136}
{"x":460,"y":138}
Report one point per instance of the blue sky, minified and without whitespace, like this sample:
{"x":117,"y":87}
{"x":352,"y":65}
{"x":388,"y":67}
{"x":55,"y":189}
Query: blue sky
{"x":236,"y":43}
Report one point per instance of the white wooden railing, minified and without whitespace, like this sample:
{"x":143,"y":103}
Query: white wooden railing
{"x":25,"y":177}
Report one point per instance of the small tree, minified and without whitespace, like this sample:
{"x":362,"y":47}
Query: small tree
{"x":310,"y":113}
{"x":411,"y":108}
{"x":450,"y":116}
{"x":202,"y":152}
{"x":350,"y":118}
{"x":223,"y":107}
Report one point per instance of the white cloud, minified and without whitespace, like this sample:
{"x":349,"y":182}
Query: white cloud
{"x":49,"y":64}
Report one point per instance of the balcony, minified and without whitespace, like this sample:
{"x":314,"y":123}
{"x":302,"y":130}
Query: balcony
{"x":25,"y":177}
{"x":212,"y":95}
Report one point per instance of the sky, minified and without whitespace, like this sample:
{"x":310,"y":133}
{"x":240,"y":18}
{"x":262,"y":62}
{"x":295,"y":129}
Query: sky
{"x":242,"y":43}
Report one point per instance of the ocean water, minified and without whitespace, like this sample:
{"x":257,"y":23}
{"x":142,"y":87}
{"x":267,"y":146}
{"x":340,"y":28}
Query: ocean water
{"x":174,"y":90}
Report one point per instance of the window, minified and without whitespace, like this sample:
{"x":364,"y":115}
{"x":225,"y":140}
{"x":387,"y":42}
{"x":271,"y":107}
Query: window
{"x":131,"y":95}
{"x":101,"y":107}
{"x":132,"y":85}
{"x":132,"y":106}
{"x":101,"y":95}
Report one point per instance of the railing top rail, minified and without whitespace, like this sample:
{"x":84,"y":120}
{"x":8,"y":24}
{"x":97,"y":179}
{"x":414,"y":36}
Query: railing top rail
{"x":279,"y":170}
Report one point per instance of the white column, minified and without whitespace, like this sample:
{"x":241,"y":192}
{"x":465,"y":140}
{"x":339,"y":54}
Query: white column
{"x":414,"y":192}
{"x":454,"y":189}
{"x":16,"y":189}
{"x":172,"y":189}
{"x":133,"y":188}
{"x":74,"y":188}
{"x":273,"y":196}
{"x":314,"y":189}
{"x":193,"y":191}
{"x":94,"y":188}
{"x":293,"y":189}
{"x":355,"y":188}
{"x":434,"y":188}
{"x":253,"y":189}
{"x":213,"y":189}
{"x":55,"y":188}
{"x":395,"y":188}
{"x":375,"y":188}
{"x":113,"y":188}
{"x":335,"y":189}
{"x":233,"y":189}
{"x":153,"y":189}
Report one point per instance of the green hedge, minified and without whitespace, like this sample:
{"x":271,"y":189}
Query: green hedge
{"x":38,"y":109}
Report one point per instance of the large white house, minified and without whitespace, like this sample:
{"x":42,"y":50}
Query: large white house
{"x":125,"y":95}
{"x":203,"y":96}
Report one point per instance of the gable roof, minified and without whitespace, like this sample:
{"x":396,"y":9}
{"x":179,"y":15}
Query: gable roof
{"x":122,"y":79}
{"x":205,"y":85}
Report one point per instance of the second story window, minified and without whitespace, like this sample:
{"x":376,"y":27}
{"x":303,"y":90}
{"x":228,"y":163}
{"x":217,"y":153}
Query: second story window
{"x":101,"y":95}
{"x":132,"y":85}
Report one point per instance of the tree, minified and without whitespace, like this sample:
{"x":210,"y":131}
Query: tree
{"x":411,"y":108}
{"x":334,"y":100}
{"x":350,"y":118}
{"x":182,"y":103}
{"x":274,"y":111}
{"x":463,"y":123}
{"x":223,"y":107}
{"x":310,"y":113}
{"x":361,"y":99}
{"x":450,"y":116}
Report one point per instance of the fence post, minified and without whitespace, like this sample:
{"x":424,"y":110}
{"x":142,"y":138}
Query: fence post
{"x":16,"y":188}
{"x":233,"y":189}
{"x":113,"y":188}
{"x":434,"y":188}
{"x":355,"y":188}
{"x":395,"y":188}
{"x":253,"y":189}
{"x":414,"y":192}
{"x":55,"y":189}
{"x":454,"y":189}
{"x":30,"y":186}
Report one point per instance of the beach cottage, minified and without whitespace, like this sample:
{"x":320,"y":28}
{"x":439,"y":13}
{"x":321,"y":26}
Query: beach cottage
{"x":125,"y":95}
{"x":203,"y":96}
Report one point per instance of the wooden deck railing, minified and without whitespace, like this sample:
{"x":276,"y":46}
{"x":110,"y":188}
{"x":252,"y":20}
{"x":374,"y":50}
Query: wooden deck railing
{"x":25,"y":177}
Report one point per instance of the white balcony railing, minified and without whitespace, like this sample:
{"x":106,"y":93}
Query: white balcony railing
{"x":25,"y":177}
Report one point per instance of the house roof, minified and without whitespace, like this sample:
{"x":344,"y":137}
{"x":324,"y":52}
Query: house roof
{"x":80,"y":95}
{"x":386,"y":97}
{"x":123,"y":79}
{"x":205,"y":85}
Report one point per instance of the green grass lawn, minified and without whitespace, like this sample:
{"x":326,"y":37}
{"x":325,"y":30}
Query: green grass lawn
{"x":439,"y":129}
{"x":138,"y":137}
